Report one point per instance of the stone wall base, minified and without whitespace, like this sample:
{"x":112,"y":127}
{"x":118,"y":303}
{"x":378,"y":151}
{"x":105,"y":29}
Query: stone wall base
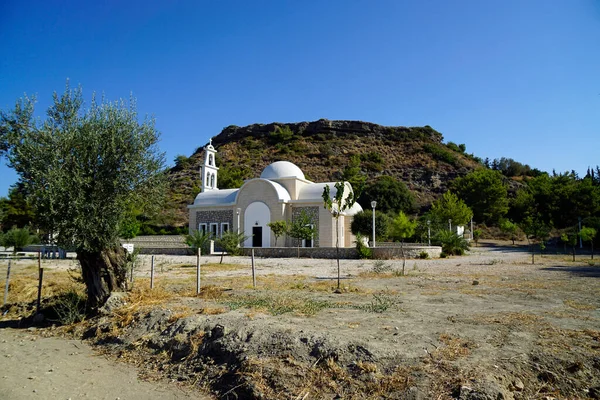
{"x":304,"y":252}
{"x":411,"y":251}
{"x":386,"y":253}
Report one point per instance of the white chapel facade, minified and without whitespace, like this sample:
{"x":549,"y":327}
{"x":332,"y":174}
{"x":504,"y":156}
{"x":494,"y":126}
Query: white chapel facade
{"x":280,"y":193}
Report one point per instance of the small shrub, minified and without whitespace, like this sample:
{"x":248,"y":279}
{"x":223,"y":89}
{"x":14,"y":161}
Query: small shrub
{"x":364,"y":252}
{"x":397,"y":272}
{"x":423,"y":255}
{"x":380,"y":267}
{"x":380,"y":303}
{"x":70,"y":307}
{"x":440,"y":153}
{"x":443,"y":255}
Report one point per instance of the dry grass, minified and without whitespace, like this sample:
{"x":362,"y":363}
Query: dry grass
{"x":23,"y":287}
{"x":452,"y":348}
{"x":278,"y":304}
{"x":207,"y":268}
{"x":140,"y":298}
{"x":580,"y":306}
{"x":508,"y":318}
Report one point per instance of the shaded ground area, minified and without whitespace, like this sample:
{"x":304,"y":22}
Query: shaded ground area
{"x":35,"y":367}
{"x":485,"y":326}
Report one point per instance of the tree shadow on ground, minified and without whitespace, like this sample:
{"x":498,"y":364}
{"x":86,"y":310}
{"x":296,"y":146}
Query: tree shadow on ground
{"x":14,"y":324}
{"x":491,"y":247}
{"x":581,"y":271}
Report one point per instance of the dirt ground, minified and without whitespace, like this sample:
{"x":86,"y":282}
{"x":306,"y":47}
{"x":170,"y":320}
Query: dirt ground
{"x":35,"y":367}
{"x":488,"y":325}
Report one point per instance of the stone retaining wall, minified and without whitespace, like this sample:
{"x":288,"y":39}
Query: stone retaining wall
{"x":171,"y":251}
{"x":305,"y":252}
{"x":175,"y":245}
{"x":411,"y":251}
{"x":345,"y":253}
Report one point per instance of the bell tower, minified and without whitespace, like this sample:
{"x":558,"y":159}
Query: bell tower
{"x":209,"y":169}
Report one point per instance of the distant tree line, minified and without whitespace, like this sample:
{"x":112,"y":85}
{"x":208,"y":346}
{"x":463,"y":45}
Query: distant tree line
{"x":509,"y":167}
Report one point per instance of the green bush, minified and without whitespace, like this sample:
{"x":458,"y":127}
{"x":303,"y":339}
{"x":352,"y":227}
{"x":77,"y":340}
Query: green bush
{"x":17,"y":238}
{"x":380,"y":267}
{"x":452,"y":244}
{"x":423,"y":255}
{"x":443,"y":255}
{"x":281,"y":135}
{"x":364,"y":252}
{"x":440,"y":153}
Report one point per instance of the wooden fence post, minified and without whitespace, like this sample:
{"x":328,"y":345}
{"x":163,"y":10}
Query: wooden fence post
{"x":41,"y":272}
{"x":198,"y":271}
{"x":253,"y":271}
{"x":7,"y":281}
{"x":152,"y":273}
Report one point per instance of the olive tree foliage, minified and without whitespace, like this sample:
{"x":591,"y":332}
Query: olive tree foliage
{"x":588,"y":234}
{"x":535,"y":229}
{"x":279,"y":228}
{"x":402,"y":227}
{"x":302,"y":228}
{"x":85,"y":169}
{"x":510,"y":228}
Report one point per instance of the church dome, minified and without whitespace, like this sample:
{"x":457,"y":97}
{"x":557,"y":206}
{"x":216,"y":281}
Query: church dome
{"x":282,"y":169}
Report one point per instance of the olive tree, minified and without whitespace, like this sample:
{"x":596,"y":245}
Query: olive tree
{"x":302,"y":228}
{"x":279,"y":228}
{"x":509,"y":227}
{"x":337,"y":203}
{"x":85,"y":169}
{"x":588,"y":234}
{"x":402,"y":227}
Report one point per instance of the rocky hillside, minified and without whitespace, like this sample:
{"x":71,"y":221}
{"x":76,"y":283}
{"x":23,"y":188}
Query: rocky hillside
{"x":324,"y":149}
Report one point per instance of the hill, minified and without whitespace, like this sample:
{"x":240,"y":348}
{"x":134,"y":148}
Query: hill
{"x":416,"y":156}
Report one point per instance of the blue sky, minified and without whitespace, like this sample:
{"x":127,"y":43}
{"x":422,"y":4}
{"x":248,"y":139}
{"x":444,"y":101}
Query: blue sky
{"x":510,"y":78}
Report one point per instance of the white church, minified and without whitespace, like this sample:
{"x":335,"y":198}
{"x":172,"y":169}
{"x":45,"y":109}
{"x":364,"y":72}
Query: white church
{"x":280,"y":193}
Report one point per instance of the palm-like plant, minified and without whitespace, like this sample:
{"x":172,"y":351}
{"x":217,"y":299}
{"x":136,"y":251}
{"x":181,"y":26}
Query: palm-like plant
{"x":198,"y":240}
{"x":230,"y":242}
{"x":452,"y":243}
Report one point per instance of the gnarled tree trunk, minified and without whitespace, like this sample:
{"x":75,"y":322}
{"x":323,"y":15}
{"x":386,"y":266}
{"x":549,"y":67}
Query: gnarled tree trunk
{"x":103,"y":273}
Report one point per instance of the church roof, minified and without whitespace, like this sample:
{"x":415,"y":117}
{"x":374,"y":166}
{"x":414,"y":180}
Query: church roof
{"x":282,"y":169}
{"x":314,"y":191}
{"x":216,"y":197}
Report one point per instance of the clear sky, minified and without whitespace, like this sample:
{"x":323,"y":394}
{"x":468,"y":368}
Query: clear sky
{"x":511,"y":78}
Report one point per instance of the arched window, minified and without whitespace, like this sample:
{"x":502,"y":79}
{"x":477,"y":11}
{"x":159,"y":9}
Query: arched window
{"x":212,"y":180}
{"x":210,"y":159}
{"x":207,"y":180}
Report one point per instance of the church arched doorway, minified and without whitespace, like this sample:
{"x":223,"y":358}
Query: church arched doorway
{"x":256,"y":218}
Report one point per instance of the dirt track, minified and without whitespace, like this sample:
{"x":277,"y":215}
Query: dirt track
{"x":35,"y":367}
